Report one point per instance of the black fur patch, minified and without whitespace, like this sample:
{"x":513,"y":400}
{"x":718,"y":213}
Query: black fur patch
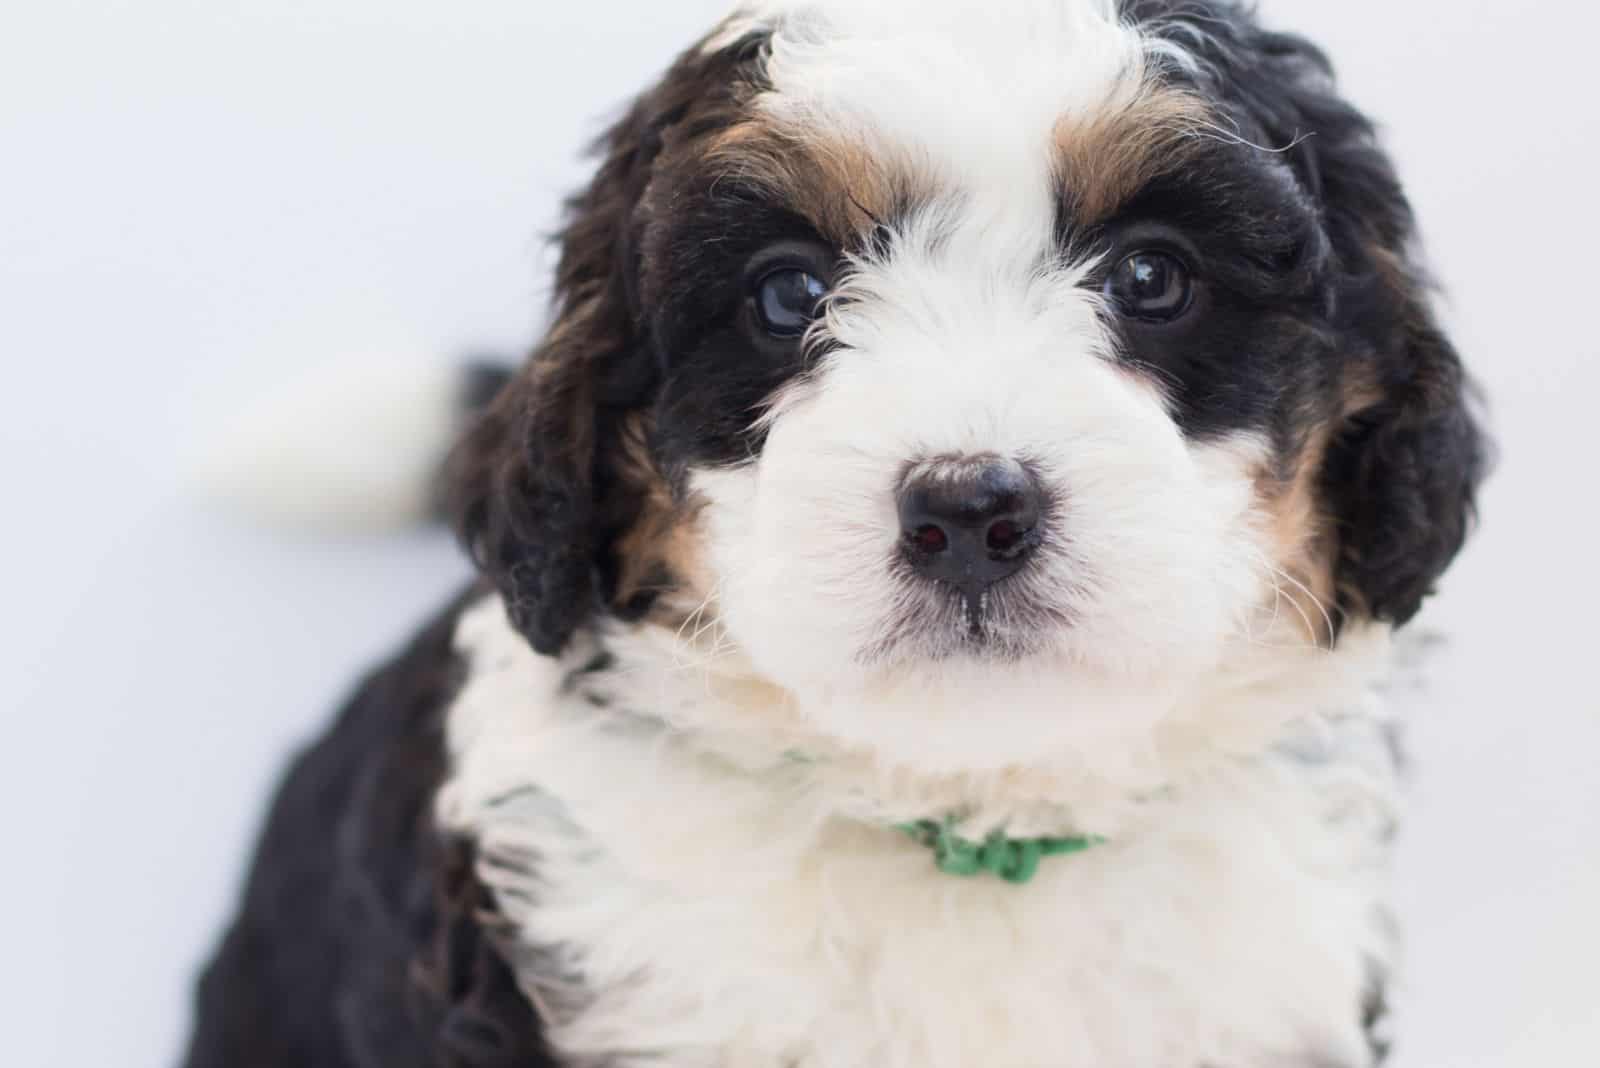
{"x":361,"y":940}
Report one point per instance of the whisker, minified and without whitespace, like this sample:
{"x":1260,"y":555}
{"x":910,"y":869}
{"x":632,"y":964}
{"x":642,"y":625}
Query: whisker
{"x":1278,"y":576}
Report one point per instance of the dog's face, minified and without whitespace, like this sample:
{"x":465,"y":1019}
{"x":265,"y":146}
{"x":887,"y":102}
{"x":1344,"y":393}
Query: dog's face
{"x":982,"y":366}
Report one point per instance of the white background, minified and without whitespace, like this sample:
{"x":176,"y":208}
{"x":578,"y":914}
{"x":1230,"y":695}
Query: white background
{"x":200,"y":199}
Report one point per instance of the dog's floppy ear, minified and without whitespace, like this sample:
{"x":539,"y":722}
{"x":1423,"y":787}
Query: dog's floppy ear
{"x":1403,"y":466}
{"x":1401,"y":479}
{"x":537,"y":489}
{"x":1401,"y":476}
{"x":522,"y":484}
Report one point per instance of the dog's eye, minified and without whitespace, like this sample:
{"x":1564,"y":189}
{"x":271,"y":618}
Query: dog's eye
{"x":788,"y":300}
{"x":1150,"y":285}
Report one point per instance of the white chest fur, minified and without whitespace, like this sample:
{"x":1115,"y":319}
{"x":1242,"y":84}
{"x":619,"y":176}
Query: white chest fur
{"x":680,"y":911}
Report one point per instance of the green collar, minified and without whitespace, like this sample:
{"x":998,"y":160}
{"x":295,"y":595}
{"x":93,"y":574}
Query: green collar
{"x":1015,"y":860}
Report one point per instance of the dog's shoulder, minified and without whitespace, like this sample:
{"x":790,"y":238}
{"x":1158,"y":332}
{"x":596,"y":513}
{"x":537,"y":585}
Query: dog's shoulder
{"x":364,"y":938}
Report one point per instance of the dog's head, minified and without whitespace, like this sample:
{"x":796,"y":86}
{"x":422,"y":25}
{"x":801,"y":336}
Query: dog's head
{"x":1023,"y":360}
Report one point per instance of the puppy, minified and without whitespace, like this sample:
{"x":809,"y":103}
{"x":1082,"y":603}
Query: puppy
{"x":937,"y":572}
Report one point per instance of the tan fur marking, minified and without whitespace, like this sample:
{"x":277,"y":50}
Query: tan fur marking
{"x":1303,"y":543}
{"x":840,"y":187}
{"x":1106,"y":156}
{"x":663,"y":541}
{"x":1359,"y":391}
{"x":843,"y":187}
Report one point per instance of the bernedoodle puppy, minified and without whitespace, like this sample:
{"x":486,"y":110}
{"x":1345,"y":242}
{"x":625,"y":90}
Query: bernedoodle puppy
{"x":937,"y":574}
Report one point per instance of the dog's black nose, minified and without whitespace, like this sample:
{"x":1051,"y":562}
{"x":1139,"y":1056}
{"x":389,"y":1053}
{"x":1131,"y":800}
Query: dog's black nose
{"x":970,"y":523}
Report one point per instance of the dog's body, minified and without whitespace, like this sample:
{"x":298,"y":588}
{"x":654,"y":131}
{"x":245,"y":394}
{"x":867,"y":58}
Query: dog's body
{"x":1233,"y":918}
{"x":917,"y":484}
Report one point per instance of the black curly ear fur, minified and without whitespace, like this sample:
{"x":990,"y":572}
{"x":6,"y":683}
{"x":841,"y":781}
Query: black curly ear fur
{"x":1401,"y":472}
{"x":1402,"y":478}
{"x":540,"y":488}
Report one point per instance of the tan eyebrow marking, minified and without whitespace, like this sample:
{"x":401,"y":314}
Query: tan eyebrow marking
{"x":840,"y":186}
{"x":1106,"y":156}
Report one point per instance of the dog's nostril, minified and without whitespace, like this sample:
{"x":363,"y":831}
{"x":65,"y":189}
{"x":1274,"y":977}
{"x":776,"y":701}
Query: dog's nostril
{"x":1005,"y":536}
{"x":929,"y":539}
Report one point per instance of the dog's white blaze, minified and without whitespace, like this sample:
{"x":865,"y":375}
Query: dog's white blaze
{"x":714,"y":866}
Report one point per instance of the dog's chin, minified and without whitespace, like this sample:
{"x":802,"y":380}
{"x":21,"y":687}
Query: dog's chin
{"x":1025,"y":681}
{"x":975,"y":704}
{"x":1006,"y":684}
